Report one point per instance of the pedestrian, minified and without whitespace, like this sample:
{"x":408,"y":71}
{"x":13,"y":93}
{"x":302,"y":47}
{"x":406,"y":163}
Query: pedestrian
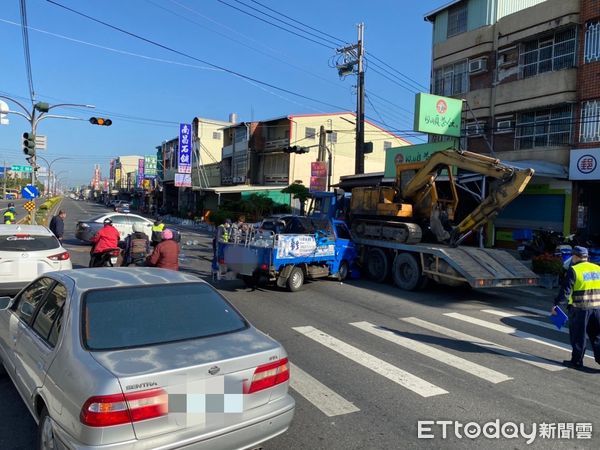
{"x":9,"y":214}
{"x":137,"y":245}
{"x":166,"y":253}
{"x":157,"y":230}
{"x":105,"y":239}
{"x":581,"y":290}
{"x":57,"y":224}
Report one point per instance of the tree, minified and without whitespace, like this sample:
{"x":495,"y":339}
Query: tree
{"x":299,"y":192}
{"x":258,"y":205}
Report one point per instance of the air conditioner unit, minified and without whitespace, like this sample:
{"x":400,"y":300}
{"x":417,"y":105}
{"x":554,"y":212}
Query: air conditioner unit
{"x":478,"y":65}
{"x":474,"y":129}
{"x":504,"y":126}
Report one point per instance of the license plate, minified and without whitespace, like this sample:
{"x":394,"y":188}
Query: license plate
{"x":113,"y":260}
{"x":521,"y":248}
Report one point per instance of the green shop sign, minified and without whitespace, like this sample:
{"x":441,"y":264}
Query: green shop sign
{"x":437,"y":115}
{"x":412,"y":154}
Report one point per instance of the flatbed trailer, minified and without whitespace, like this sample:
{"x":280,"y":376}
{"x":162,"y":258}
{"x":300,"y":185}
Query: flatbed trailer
{"x":411,"y":266}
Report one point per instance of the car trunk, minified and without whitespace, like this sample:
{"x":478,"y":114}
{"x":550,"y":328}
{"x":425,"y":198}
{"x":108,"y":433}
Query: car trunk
{"x":203,"y":378}
{"x":25,"y":266}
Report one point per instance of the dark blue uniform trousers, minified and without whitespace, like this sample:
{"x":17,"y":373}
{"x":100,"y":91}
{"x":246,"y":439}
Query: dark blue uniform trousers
{"x":582,"y":322}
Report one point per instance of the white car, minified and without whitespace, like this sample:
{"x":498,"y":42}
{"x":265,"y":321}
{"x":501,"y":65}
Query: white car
{"x":26,"y":252}
{"x":86,"y":229}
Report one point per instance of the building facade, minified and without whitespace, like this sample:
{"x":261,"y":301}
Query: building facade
{"x":526,"y":71}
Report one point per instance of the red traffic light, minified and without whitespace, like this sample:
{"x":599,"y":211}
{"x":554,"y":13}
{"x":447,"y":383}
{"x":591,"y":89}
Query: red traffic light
{"x":100,"y":121}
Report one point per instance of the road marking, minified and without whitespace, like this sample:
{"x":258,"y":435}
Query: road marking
{"x":514,"y":332}
{"x":501,"y":349}
{"x":326,"y":400}
{"x":440,"y":355}
{"x":517,"y":316}
{"x":389,"y":371}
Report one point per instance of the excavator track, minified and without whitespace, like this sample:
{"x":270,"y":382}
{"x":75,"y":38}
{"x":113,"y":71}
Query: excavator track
{"x":389,"y":230}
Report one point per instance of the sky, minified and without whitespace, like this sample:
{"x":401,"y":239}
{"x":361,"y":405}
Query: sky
{"x":174,"y":72}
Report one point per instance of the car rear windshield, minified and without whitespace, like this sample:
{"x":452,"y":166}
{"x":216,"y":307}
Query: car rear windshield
{"x":140,"y":316}
{"x":27,"y":243}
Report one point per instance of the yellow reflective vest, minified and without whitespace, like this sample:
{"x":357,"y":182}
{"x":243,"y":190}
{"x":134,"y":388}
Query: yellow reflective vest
{"x":586,"y":289}
{"x":9,"y":217}
{"x":158,"y":228}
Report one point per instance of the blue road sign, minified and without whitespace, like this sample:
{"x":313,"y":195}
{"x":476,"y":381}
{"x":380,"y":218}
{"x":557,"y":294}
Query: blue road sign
{"x":29,"y":192}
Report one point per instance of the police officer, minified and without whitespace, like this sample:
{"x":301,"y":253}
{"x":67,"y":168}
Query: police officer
{"x":581,"y":289}
{"x":221,"y":235}
{"x":157,"y":230}
{"x":9,"y":214}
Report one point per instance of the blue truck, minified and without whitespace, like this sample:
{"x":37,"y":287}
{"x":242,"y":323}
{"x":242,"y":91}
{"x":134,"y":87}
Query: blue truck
{"x":289,"y":250}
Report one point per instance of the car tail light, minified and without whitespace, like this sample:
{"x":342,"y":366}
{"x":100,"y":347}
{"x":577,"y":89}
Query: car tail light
{"x":221,"y":261}
{"x":60,"y":256}
{"x":117,"y":409}
{"x":264,"y":267}
{"x":269,"y":375}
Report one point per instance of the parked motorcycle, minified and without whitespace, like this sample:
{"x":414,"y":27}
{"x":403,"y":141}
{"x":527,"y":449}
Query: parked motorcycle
{"x":542,"y":241}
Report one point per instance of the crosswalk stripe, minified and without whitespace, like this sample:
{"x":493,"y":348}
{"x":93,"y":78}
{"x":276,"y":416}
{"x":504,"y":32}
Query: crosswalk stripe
{"x":519,"y":318}
{"x":389,"y":371}
{"x":514,"y":332}
{"x":329,"y":402}
{"x":541,"y":312}
{"x":432,"y":352}
{"x":501,"y":349}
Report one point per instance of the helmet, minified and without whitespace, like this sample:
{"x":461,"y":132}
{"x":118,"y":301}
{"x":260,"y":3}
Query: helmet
{"x":138,"y":228}
{"x":11,"y":205}
{"x":107,"y":221}
{"x":167,"y":234}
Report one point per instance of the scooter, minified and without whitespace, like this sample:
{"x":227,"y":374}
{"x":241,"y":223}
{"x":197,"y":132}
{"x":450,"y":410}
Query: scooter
{"x":107,"y":258}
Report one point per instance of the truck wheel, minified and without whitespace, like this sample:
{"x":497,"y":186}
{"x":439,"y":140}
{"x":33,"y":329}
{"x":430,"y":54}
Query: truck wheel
{"x":377,"y":265}
{"x":295,"y":280}
{"x":343,"y":271}
{"x":406,"y":272}
{"x":249,"y":281}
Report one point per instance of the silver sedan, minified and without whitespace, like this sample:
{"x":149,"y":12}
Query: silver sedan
{"x":141,"y":358}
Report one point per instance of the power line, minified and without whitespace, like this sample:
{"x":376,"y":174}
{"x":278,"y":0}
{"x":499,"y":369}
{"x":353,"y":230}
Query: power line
{"x":274,"y":24}
{"x":164,"y":47}
{"x":418,"y":85}
{"x":27,"y":54}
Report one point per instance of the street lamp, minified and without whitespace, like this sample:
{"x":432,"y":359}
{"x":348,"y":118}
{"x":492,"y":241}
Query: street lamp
{"x":55,"y":176}
{"x":49,"y":164}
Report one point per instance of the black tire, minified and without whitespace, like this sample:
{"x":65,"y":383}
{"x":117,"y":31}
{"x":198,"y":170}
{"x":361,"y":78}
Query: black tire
{"x":46,"y":439}
{"x":295,"y":280}
{"x":377,"y":265}
{"x":406,"y":272}
{"x":249,"y":281}
{"x":343,"y":271}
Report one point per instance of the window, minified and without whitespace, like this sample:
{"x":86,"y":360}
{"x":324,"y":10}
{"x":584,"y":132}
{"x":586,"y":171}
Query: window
{"x":474,"y":129}
{"x":118,"y":219}
{"x":548,"y":54}
{"x":451,"y":79}
{"x":29,"y":300}
{"x":332,"y":137}
{"x":591,"y":50}
{"x":386,"y":145}
{"x":217,"y":135}
{"x":545,"y":128}
{"x":130,"y":317}
{"x":457,"y":19}
{"x":49,"y":319}
{"x":310,"y":133}
{"x":27,"y":243}
{"x":589,"y":130}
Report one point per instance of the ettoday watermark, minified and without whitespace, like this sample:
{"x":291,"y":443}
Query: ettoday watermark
{"x":444,"y":429}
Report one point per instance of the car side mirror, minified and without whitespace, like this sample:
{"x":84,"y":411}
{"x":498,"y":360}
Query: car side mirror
{"x":5,"y":303}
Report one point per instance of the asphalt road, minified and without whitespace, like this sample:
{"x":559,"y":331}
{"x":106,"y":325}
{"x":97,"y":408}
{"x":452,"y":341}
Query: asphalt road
{"x":370,"y":361}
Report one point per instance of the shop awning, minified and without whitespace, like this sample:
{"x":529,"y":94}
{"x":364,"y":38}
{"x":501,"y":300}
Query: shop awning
{"x":542,"y":168}
{"x":238,"y":189}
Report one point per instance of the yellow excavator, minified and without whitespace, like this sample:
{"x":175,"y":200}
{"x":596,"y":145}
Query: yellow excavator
{"x":399,"y":213}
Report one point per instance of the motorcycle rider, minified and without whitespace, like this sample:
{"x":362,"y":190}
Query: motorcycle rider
{"x":137,"y":245}
{"x":105,"y":239}
{"x":166,"y":253}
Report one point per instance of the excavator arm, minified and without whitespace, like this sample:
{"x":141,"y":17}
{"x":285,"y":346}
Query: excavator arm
{"x":509,"y":183}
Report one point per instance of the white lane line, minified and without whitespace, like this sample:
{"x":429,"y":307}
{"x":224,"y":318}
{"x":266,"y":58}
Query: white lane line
{"x":501,"y":349}
{"x":541,"y":312}
{"x":432,"y":352}
{"x":327,"y":401}
{"x":517,"y":316}
{"x":514,"y":332}
{"x":389,"y":371}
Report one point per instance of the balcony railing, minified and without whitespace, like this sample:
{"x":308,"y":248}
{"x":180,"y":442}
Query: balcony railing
{"x":277,"y":144}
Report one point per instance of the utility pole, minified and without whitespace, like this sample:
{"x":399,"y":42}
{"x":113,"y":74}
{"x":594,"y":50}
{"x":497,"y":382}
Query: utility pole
{"x":359,"y":164}
{"x":353,"y":57}
{"x":322,"y":150}
{"x":4,"y":178}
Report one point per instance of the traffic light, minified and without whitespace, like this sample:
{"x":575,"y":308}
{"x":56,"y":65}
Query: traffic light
{"x":29,"y":144}
{"x":100,"y":121}
{"x":296,"y":149}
